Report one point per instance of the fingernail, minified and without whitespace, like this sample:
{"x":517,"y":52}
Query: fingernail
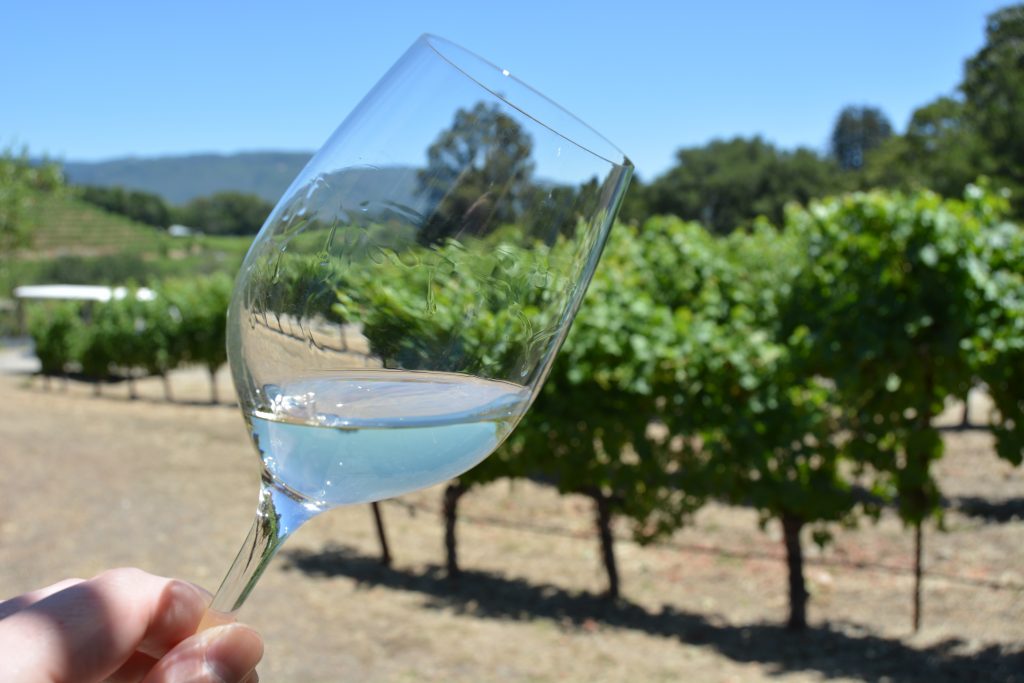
{"x":234,"y":653}
{"x":181,"y":600}
{"x":207,"y":595}
{"x":180,"y":607}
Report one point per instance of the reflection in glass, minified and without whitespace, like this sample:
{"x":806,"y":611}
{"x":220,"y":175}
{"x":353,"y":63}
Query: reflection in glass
{"x":400,"y":309}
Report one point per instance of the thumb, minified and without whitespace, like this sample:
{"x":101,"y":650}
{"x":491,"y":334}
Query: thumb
{"x":224,"y":654}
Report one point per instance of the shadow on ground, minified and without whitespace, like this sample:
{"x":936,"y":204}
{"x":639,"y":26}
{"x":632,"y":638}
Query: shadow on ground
{"x":1006,"y":510}
{"x":833,"y":650}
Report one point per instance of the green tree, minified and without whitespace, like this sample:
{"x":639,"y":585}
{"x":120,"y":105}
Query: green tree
{"x":753,"y":428}
{"x":765,"y":437}
{"x":157,"y":325}
{"x":727,"y":183}
{"x":553,"y":210}
{"x":144,"y":207}
{"x":857,"y":131}
{"x":590,"y":429}
{"x":478,"y":173}
{"x":994,"y":89}
{"x":92,"y":350}
{"x":885,"y":307}
{"x":199,"y":309}
{"x":998,"y":344}
{"x":22,"y":183}
{"x":941,"y":151}
{"x":636,"y":204}
{"x":53,"y":329}
{"x":944,"y":149}
{"x":120,"y":327}
{"x":225,"y":213}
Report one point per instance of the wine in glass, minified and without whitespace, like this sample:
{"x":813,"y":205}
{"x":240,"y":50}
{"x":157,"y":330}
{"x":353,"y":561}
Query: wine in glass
{"x":402,"y":305}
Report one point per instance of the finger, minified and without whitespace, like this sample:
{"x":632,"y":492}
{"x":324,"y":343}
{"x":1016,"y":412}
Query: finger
{"x":178,"y":612}
{"x":139,"y":665}
{"x":88,"y":630}
{"x":9,"y":607}
{"x":223,"y":654}
{"x":134,"y":670}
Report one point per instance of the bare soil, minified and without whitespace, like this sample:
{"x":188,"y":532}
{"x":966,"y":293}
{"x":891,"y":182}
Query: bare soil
{"x":90,"y":483}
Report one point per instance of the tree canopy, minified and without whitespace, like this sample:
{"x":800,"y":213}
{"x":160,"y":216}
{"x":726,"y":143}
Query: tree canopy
{"x":477,"y":173}
{"x":21,"y":184}
{"x":144,"y":207}
{"x":225,"y":213}
{"x":727,"y":183}
{"x":857,"y":131}
{"x":994,"y":89}
{"x":940,"y":150}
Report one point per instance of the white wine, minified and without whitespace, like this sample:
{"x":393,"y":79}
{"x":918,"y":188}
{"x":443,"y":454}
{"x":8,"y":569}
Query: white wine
{"x":357,"y":437}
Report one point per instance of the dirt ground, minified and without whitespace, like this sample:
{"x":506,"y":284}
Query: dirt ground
{"x":90,"y":483}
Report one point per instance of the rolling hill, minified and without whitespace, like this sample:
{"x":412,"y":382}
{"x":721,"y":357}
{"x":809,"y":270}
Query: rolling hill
{"x":378,"y":191}
{"x":74,"y":242}
{"x":179,"y":179}
{"x":66,"y":224}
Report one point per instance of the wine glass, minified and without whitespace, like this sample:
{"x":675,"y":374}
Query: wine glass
{"x":400,"y":309}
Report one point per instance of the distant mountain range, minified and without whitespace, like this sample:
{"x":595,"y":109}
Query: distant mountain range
{"x":179,"y":179}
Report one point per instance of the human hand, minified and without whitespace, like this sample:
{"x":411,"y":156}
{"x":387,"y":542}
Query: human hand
{"x":123,"y":626}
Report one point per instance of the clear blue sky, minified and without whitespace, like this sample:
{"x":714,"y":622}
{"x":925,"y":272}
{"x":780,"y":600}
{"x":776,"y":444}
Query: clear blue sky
{"x":95,"y":80}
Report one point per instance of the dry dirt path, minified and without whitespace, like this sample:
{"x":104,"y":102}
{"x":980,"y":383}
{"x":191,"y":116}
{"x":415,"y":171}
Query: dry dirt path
{"x":90,"y":483}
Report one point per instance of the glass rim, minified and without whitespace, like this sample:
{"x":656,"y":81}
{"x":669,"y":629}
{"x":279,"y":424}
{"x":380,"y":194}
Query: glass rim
{"x":443,"y":48}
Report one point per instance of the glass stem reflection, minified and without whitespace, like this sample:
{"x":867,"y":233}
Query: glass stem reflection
{"x":278,"y":515}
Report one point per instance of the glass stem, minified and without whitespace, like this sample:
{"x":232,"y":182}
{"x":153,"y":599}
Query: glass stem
{"x":278,"y":515}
